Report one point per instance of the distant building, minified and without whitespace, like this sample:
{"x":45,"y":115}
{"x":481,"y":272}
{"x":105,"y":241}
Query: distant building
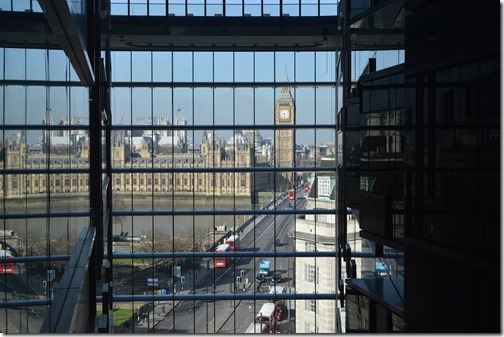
{"x":140,"y":152}
{"x":160,"y":148}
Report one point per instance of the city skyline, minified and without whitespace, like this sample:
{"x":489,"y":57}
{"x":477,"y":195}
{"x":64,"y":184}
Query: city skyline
{"x":208,"y":88}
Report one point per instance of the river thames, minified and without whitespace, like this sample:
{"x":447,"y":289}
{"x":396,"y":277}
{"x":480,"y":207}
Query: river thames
{"x":54,"y":228}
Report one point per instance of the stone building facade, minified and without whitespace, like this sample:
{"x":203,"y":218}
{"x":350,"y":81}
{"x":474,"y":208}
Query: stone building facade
{"x":137,"y":171}
{"x":317,"y":275}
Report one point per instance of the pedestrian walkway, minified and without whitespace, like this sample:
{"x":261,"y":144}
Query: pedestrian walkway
{"x":148,"y":316}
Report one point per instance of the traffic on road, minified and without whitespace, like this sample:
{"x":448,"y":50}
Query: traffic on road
{"x":248,"y":275}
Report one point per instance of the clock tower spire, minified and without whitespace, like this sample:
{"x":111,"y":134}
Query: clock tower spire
{"x":285,"y":111}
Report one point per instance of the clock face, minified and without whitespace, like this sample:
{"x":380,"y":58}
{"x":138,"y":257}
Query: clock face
{"x":284,"y":114}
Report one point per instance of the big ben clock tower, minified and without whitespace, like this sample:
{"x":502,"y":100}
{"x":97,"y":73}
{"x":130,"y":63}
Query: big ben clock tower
{"x":284,"y":138}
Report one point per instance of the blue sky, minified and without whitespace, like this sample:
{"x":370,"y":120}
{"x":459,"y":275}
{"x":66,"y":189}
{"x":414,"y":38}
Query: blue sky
{"x":201,"y":105}
{"x":226,"y":106}
{"x":233,"y":7}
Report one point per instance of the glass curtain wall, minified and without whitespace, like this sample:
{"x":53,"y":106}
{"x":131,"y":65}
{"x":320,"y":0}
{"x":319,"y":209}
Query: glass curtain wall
{"x":228,"y":8}
{"x":44,"y":179}
{"x":206,"y":145}
{"x":224,"y":179}
{"x":215,"y":155}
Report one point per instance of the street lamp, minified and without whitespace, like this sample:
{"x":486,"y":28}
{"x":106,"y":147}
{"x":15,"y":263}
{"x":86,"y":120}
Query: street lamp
{"x":230,"y":281}
{"x":148,"y":317}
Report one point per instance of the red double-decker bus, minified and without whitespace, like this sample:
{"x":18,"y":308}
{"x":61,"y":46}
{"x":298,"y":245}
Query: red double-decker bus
{"x":220,"y":262}
{"x":233,"y":241}
{"x":7,"y":267}
{"x":291,"y":194}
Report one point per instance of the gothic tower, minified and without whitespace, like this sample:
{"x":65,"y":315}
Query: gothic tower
{"x":285,"y":111}
{"x":15,"y":158}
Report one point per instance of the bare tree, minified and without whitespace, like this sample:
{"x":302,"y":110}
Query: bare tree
{"x":159,"y":241}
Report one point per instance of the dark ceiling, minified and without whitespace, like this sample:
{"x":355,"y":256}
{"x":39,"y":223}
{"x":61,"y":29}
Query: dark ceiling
{"x":24,"y":29}
{"x":377,"y":28}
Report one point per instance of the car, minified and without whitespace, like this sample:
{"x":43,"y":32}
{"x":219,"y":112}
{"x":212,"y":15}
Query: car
{"x":277,"y":277}
{"x":260,"y":277}
{"x":277,"y":242}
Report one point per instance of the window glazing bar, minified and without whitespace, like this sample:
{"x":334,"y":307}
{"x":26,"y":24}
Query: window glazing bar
{"x":275,"y":85}
{"x":44,"y":215}
{"x":44,"y":171}
{"x":240,"y":254}
{"x":216,"y":297}
{"x":175,"y":169}
{"x":24,"y":304}
{"x":221,"y":212}
{"x":41,"y":258}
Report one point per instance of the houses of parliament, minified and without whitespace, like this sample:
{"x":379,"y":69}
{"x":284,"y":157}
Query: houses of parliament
{"x":154,"y":161}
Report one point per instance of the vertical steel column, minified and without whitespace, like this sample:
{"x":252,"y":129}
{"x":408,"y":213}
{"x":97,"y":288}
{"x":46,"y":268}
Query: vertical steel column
{"x":95,"y":156}
{"x":431,"y":136}
{"x":346,"y":69}
{"x":107,"y":296}
{"x":416,"y":216}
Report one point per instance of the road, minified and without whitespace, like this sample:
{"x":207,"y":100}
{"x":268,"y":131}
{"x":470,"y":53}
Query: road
{"x":234,"y":316}
{"x":21,"y":319}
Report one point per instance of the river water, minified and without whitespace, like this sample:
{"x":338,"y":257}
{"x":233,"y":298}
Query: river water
{"x":55,"y":228}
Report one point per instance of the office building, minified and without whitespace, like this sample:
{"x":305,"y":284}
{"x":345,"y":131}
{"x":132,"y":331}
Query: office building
{"x":138,"y":138}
